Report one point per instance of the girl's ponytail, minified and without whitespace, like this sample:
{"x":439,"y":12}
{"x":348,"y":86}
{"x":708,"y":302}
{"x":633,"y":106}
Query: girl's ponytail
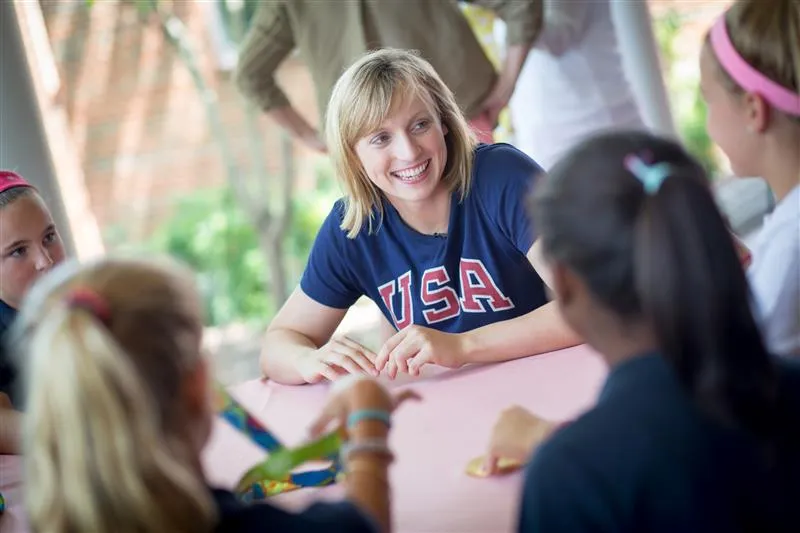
{"x":691,"y":286}
{"x":104,"y":449}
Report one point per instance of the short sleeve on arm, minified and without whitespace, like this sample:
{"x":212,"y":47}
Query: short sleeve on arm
{"x":562,"y":495}
{"x":504,"y":178}
{"x":328,"y":278}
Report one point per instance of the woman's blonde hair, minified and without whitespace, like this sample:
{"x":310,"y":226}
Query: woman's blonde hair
{"x":105,"y":444}
{"x":766,"y":33}
{"x":361,"y":100}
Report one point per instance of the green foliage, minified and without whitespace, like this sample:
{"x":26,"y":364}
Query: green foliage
{"x":684,"y":88}
{"x":210,"y":232}
{"x":694,"y":133}
{"x":666,"y":30}
{"x":237,"y":21}
{"x":144,"y":6}
{"x":309,"y":212}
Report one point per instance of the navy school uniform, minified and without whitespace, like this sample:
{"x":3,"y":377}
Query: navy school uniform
{"x":646,"y":460}
{"x":8,"y":372}
{"x":477,"y":274}
{"x":235,"y":517}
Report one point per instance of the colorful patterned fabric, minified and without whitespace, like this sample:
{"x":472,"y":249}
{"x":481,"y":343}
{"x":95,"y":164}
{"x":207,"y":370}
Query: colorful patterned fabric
{"x":274,"y":475}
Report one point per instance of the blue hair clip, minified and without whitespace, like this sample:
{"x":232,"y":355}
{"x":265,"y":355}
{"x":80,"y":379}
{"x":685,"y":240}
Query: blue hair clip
{"x":651,"y":176}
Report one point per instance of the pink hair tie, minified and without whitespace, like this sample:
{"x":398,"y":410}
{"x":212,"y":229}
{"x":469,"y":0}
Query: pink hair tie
{"x":750,"y":79}
{"x":91,"y":302}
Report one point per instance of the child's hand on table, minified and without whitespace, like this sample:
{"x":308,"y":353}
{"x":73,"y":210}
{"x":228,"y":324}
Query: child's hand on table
{"x":515,"y":435}
{"x":357,"y":393}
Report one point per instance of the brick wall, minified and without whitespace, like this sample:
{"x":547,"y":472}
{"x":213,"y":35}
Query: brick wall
{"x":136,"y":118}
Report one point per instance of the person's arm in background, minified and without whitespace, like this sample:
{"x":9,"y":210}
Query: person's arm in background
{"x":565,"y":24}
{"x":266,"y":45}
{"x":524,"y":23}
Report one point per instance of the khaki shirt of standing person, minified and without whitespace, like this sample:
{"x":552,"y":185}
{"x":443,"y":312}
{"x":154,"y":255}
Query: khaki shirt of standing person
{"x":331,"y":34}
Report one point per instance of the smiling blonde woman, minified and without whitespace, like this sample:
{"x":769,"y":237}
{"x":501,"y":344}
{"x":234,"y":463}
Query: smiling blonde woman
{"x":432,"y":228}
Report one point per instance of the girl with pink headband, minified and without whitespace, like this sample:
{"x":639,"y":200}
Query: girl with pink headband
{"x":750,"y":78}
{"x":29,"y":246}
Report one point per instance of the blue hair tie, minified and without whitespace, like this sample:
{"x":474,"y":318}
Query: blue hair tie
{"x":651,"y":176}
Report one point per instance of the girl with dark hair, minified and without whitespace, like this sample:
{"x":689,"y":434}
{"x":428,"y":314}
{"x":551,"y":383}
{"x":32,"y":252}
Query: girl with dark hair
{"x":696,"y":428}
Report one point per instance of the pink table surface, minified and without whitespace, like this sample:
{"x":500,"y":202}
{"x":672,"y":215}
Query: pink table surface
{"x":13,"y":520}
{"x":433,"y":440}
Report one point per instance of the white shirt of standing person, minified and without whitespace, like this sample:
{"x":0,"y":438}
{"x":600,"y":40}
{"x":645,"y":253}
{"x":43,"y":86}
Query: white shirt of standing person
{"x":775,"y":276}
{"x":573,"y":83}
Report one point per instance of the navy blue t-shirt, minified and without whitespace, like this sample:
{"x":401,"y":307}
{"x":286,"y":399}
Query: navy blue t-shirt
{"x":646,"y":459}
{"x":477,"y":274}
{"x":235,"y":517}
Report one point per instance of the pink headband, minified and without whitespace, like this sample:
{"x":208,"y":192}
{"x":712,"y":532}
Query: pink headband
{"x":9,"y":180}
{"x":748,"y":77}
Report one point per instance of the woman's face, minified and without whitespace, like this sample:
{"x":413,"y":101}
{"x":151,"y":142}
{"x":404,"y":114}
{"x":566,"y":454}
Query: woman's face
{"x":30,"y":246}
{"x":726,"y":120}
{"x":406,"y":156}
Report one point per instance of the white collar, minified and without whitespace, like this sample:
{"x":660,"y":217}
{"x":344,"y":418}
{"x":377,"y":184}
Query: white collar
{"x":787,"y":211}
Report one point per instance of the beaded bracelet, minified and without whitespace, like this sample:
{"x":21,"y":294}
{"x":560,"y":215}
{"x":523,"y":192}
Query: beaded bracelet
{"x":368,"y":446}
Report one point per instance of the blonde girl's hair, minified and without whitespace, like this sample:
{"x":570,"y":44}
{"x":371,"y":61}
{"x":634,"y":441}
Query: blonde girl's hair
{"x":766,"y":33}
{"x":361,"y":100}
{"x":104,"y":446}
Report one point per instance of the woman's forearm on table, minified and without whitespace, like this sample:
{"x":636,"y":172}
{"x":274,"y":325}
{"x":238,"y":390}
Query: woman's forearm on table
{"x":540,"y":331}
{"x":281,"y":353}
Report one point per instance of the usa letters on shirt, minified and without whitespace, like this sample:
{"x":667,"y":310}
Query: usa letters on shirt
{"x":478,"y":294}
